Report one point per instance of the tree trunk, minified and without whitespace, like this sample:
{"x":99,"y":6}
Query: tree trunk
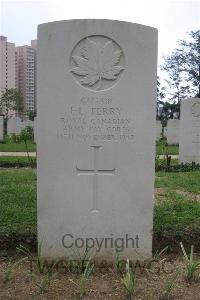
{"x":5,"y":126}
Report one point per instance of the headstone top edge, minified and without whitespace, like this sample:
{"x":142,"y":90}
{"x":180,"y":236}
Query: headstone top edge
{"x":191,"y":99}
{"x":97,"y":21}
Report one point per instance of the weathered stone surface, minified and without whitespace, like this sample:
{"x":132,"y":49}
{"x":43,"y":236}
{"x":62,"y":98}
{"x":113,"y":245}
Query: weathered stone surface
{"x":96,"y":136}
{"x":189,"y":147}
{"x":16,"y":124}
{"x":173,"y":131}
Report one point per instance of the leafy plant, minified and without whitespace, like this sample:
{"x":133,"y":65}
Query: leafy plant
{"x":170,"y":285}
{"x":14,"y":138}
{"x":191,"y":266}
{"x":129,"y":281}
{"x":32,"y":115}
{"x":178,"y":168}
{"x":97,"y":62}
{"x":26,"y":135}
{"x":156,"y":162}
{"x":37,"y":261}
{"x":156,"y":258}
{"x":84,"y":277}
{"x":79,"y":260}
{"x":118,"y":261}
{"x":148,"y":265}
{"x":43,"y":282}
{"x":157,"y":255}
{"x":29,"y":133}
{"x":165,"y":152}
{"x":8,"y":272}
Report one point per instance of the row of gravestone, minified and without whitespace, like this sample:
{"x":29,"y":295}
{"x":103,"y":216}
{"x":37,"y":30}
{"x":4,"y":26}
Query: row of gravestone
{"x":171,"y":131}
{"x":185,"y":132}
{"x":14,"y":126}
{"x":96,"y":104}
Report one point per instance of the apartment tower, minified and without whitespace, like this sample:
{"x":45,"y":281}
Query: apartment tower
{"x":26,"y":75}
{"x":7,"y":64}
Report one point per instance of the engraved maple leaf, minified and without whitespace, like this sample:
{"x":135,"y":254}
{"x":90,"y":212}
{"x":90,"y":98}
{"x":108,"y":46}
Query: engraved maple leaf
{"x":97,"y":62}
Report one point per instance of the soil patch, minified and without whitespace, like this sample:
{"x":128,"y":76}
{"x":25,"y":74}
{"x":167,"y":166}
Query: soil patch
{"x":102,"y":285}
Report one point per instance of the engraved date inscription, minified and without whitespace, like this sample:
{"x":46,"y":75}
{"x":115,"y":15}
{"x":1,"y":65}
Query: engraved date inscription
{"x":95,"y":123}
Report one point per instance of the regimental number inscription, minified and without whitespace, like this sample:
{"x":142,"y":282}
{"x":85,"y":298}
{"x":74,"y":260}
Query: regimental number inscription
{"x":97,"y":63}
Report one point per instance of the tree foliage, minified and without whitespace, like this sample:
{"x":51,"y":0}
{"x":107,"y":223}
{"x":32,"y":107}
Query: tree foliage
{"x":183,"y":69}
{"x":32,"y":115}
{"x":160,"y":97}
{"x":173,"y":65}
{"x":168,"y":111}
{"x":160,"y":90}
{"x":11,"y":101}
{"x":191,"y":51}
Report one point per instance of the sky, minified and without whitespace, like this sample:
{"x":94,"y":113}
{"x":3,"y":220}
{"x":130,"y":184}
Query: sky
{"x":173,"y":18}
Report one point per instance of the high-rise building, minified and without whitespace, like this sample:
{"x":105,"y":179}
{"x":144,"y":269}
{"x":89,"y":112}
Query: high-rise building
{"x":7,"y":64}
{"x":18,"y":70}
{"x":26,"y":74}
{"x":34,"y":46}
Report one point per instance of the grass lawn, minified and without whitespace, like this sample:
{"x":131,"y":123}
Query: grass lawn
{"x":23,"y":161}
{"x":171,"y":149}
{"x":177,"y":214}
{"x":185,"y":181}
{"x":16,"y":161}
{"x":161,"y":161}
{"x":19,"y":147}
{"x":177,"y":208}
{"x":17,"y":201}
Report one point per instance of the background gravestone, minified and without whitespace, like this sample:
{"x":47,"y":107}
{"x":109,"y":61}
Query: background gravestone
{"x":16,"y":124}
{"x":189,"y":147}
{"x":173,"y":131}
{"x":158,"y":130}
{"x":165,"y":132}
{"x":96,"y":135}
{"x":1,"y":128}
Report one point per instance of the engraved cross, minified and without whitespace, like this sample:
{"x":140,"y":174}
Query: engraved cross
{"x":95,"y":172}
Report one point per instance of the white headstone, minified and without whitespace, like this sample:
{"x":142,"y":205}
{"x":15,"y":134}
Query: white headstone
{"x":16,"y":124}
{"x":189,"y":147}
{"x":1,"y":128}
{"x":165,"y":132}
{"x":96,"y":136}
{"x":158,"y":130}
{"x":173,"y":132}
{"x":28,"y":122}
